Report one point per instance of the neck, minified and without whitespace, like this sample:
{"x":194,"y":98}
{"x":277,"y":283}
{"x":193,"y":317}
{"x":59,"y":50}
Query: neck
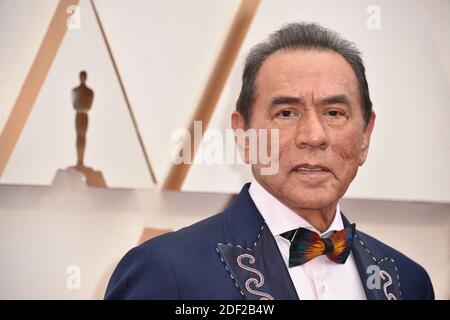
{"x":320,"y":219}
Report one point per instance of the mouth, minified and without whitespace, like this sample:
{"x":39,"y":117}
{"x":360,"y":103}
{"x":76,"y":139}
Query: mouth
{"x":311,"y":169}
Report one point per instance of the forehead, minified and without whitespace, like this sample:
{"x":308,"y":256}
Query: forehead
{"x":302,"y":72}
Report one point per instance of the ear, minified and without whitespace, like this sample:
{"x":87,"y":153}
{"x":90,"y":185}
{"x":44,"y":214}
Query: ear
{"x":366,"y":139}
{"x":239,"y":127}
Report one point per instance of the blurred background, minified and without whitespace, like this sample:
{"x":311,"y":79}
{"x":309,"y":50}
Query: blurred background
{"x":155,"y":67}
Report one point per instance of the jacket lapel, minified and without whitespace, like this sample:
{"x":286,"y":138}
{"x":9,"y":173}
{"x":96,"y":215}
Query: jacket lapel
{"x":378,"y":274}
{"x":251,"y":255}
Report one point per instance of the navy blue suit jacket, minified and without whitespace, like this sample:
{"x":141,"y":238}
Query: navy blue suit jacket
{"x":233,"y":255}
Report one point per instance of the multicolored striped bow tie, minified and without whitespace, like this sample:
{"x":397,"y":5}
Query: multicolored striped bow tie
{"x":307,"y":245}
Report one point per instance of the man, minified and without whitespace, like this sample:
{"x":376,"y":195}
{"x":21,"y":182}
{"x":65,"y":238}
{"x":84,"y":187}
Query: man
{"x":284,"y":237}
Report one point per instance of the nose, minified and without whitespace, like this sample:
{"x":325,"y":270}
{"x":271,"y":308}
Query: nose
{"x":311,"y":132}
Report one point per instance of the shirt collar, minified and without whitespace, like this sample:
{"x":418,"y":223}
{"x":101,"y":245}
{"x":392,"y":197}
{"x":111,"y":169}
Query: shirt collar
{"x":279,"y":218}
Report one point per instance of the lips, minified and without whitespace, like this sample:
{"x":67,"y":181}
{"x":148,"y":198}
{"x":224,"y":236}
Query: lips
{"x":310,"y":168}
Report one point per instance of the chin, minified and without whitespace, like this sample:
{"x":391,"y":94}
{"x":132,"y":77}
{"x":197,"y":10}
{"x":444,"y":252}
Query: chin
{"x":312,"y":199}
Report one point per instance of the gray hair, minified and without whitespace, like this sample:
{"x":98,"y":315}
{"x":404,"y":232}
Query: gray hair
{"x":301,"y":36}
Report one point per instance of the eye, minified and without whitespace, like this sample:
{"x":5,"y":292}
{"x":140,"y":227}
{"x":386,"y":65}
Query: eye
{"x":286,"y":114}
{"x":334,"y":113}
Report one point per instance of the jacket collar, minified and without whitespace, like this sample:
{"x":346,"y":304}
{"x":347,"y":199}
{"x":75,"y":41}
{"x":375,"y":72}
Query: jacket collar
{"x":378,"y":273}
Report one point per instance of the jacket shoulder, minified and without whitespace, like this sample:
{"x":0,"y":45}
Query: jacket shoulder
{"x":136,"y":274}
{"x":152,"y":269}
{"x":204,"y":232}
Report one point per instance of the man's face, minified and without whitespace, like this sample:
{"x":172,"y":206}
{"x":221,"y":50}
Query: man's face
{"x":312,"y":98}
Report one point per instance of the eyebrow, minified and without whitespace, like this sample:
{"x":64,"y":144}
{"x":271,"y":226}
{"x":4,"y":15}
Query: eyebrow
{"x":334,"y":99}
{"x":285,"y":100}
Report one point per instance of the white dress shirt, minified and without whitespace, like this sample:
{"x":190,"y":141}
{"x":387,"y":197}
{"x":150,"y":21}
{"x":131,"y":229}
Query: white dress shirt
{"x":319,"y":278}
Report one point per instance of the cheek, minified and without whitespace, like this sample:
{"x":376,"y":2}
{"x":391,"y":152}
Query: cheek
{"x":348,"y":149}
{"x":287,"y":150}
